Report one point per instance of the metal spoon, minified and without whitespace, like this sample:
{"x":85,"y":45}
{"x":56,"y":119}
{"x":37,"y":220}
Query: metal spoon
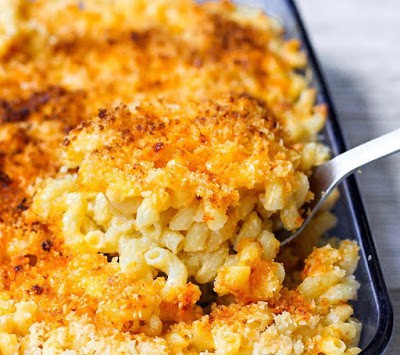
{"x":325,"y":177}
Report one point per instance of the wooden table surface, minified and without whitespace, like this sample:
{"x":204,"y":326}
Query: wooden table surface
{"x":358,"y":45}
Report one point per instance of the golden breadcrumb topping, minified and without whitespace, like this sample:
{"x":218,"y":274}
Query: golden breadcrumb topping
{"x":214,"y":148}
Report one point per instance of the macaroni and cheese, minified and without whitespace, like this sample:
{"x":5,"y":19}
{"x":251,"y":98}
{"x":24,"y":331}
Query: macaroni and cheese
{"x":149,"y":151}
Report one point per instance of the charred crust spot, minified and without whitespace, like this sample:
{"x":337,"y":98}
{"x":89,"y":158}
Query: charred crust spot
{"x":22,"y":206}
{"x":5,"y":180}
{"x":158,"y":146}
{"x":232,"y":36}
{"x":37,"y":290}
{"x":51,"y":104}
{"x":17,"y":268}
{"x":32,"y":259}
{"x":110,"y":256}
{"x":126,"y":134}
{"x":68,"y":129}
{"x":11,"y":112}
{"x":203,"y":138}
{"x":135,"y":36}
{"x":46,"y":245}
{"x":19,"y":110}
{"x":102,"y":113}
{"x":197,"y":62}
{"x":111,"y":41}
{"x":127,"y":325}
{"x":139,"y":36}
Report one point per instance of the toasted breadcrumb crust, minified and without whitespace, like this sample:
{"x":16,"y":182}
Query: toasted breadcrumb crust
{"x":84,"y":304}
{"x":143,"y":97}
{"x":214,"y":148}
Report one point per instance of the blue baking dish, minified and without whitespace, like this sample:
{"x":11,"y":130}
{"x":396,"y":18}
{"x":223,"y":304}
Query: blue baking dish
{"x":373,"y":307}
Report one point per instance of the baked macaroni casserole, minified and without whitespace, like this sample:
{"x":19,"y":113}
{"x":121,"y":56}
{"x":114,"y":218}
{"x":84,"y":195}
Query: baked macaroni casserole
{"x":149,"y":150}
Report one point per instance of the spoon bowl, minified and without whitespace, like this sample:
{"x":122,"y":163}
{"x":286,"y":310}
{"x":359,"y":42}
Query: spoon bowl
{"x":327,"y":176}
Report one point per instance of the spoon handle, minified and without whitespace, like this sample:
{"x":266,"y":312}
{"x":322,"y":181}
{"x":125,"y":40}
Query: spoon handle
{"x":326,"y":176}
{"x":363,"y":154}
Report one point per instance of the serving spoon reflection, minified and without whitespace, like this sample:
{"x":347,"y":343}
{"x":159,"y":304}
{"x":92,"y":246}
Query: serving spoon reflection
{"x":325,"y":177}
